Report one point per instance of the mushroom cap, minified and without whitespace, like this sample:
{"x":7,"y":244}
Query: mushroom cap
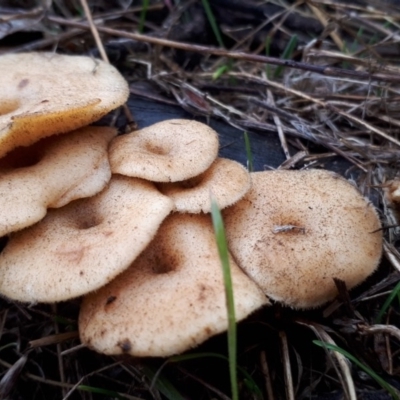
{"x":295,"y":231}
{"x":82,"y":246}
{"x":46,"y":93}
{"x":392,"y":191}
{"x":169,"y":151}
{"x":227,"y":180}
{"x":171,"y":298}
{"x":51,"y":173}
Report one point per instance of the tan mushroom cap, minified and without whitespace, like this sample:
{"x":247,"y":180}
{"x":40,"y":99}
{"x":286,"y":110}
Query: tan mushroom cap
{"x":46,"y":93}
{"x":169,"y":151}
{"x":64,"y":168}
{"x":227,"y":180}
{"x":84,"y":245}
{"x":295,"y":231}
{"x":392,"y":191}
{"x":170,"y":299}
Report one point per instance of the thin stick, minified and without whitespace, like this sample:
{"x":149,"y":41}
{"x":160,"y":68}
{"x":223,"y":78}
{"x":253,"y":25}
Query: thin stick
{"x":238,"y":55}
{"x":379,"y":328}
{"x":329,"y":107}
{"x":94,"y":31}
{"x":287,"y":366}
{"x":390,"y":253}
{"x":267,"y":376}
{"x":278,"y":123}
{"x":322,"y":18}
{"x":58,"y":348}
{"x":99,"y":44}
{"x":344,"y":373}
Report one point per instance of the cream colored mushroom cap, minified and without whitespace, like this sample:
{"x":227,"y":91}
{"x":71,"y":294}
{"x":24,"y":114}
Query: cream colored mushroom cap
{"x":170,"y":299}
{"x":295,"y":231}
{"x":226,"y":180}
{"x":168,"y":151}
{"x":46,"y":93}
{"x":84,"y":245}
{"x":65,"y":168}
{"x":392,"y":191}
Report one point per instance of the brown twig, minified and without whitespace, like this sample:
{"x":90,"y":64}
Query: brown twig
{"x":239,"y":55}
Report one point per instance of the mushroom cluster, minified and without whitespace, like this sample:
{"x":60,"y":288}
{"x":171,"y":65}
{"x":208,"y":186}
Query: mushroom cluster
{"x":125,"y":220}
{"x":290,"y":233}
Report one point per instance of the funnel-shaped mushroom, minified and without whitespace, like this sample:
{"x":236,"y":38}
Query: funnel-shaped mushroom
{"x":59,"y":170}
{"x":82,"y":246}
{"x":168,"y":151}
{"x":171,"y":298}
{"x":392,"y":192}
{"x":46,"y":93}
{"x":227,"y":181}
{"x":295,"y":231}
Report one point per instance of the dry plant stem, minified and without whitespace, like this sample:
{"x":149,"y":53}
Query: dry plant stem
{"x":3,"y":321}
{"x":94,"y":31}
{"x":292,"y":161}
{"x":379,"y":328}
{"x":389,"y":120}
{"x":322,"y":18}
{"x":317,"y":140}
{"x":392,"y":255}
{"x":335,"y":56}
{"x":278,"y":124}
{"x":74,"y":387}
{"x":336,"y":110}
{"x":54,"y":339}
{"x":267,"y":376}
{"x":102,"y":51}
{"x":364,"y":124}
{"x":9,"y":378}
{"x":325,"y":105}
{"x":58,"y":348}
{"x":344,"y":374}
{"x":389,"y":354}
{"x":42,"y":43}
{"x":238,"y":55}
{"x":61,"y":384}
{"x":73,"y":349}
{"x":287,"y":372}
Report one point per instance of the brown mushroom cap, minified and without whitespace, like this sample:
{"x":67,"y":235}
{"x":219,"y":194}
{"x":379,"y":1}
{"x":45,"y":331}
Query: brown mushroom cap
{"x":227,"y":180}
{"x":64,"y":168}
{"x":295,"y":231}
{"x":169,"y":151}
{"x":82,"y":246}
{"x":171,"y":298}
{"x":46,"y":93}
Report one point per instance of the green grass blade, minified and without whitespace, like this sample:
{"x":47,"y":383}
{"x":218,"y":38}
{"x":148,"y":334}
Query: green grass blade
{"x":386,"y":304}
{"x":249,"y":154}
{"x":220,"y":71}
{"x":386,"y":386}
{"x":213,"y":22}
{"x":223,"y":255}
{"x":287,"y":54}
{"x":142,"y":20}
{"x":6,"y":346}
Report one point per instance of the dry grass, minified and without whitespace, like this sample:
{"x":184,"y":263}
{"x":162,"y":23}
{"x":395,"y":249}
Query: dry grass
{"x":338,"y":93}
